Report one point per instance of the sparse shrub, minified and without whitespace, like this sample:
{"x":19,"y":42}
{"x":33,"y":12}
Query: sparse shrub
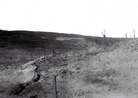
{"x":78,"y":68}
{"x":100,"y":77}
{"x":34,"y":96}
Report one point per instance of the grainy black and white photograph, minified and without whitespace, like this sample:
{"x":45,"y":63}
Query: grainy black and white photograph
{"x":68,"y":48}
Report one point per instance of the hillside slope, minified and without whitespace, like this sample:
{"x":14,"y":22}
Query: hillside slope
{"x":91,"y":69}
{"x":108,"y":74}
{"x":96,"y":72}
{"x":31,"y":39}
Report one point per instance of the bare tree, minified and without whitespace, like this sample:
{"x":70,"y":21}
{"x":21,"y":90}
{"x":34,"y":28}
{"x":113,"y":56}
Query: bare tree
{"x":126,"y":35}
{"x":54,"y":53}
{"x":103,"y":34}
{"x":134,"y":32}
{"x":104,"y":37}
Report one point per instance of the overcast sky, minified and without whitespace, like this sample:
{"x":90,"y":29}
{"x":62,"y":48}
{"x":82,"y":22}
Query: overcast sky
{"x":87,"y":17}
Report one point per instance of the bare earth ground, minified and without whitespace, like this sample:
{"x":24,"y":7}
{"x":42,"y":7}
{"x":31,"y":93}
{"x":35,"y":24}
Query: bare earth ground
{"x":92,"y":72}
